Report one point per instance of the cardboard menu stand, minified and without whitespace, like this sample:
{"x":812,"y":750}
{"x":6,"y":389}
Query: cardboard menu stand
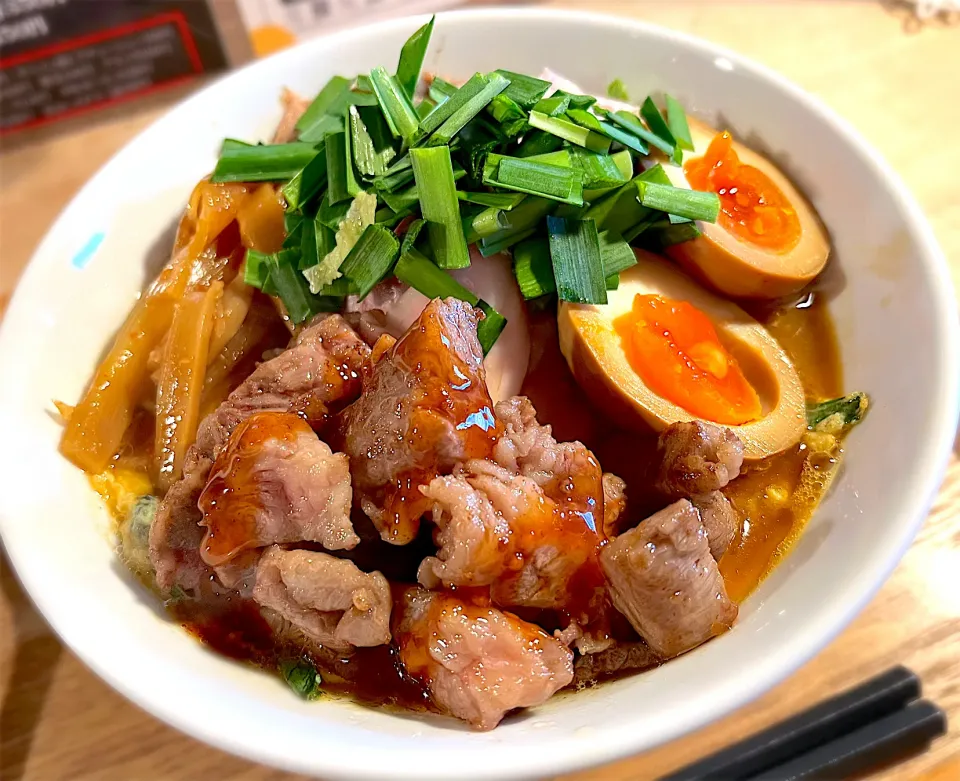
{"x":62,"y":57}
{"x":59,"y":58}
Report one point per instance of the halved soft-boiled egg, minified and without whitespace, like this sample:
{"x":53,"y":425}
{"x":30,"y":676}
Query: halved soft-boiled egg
{"x":664,"y":349}
{"x":768,"y":241}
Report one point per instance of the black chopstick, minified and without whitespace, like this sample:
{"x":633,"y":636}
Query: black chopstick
{"x":843,"y":715}
{"x":900,"y":734}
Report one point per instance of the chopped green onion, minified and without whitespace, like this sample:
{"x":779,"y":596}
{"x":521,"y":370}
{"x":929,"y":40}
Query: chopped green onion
{"x":553,"y":106}
{"x":584,"y":119}
{"x":388,"y":218}
{"x":505,"y":201}
{"x":490,"y":327}
{"x":621,"y":136}
{"x":302,"y":677}
{"x":307,"y":182}
{"x":256,"y":269}
{"x":402,"y":200}
{"x":577,"y":102}
{"x":692,"y":204}
{"x":322,"y":104}
{"x":525,"y":90}
{"x":329,"y":214}
{"x":424,"y":107}
{"x":477,"y":139}
{"x":509,"y":113}
{"x":266,"y":162}
{"x":398,"y":175}
{"x":376,"y":125}
{"x":676,"y":219}
{"x":502,"y":241}
{"x":560,"y":183}
{"x":570,"y":131}
{"x":523,"y":220}
{"x":361,"y":213}
{"x":322,"y":128}
{"x":363,"y":84}
{"x":677,"y":122}
{"x":292,"y":287}
{"x":370,"y":259}
{"x":598,"y":170}
{"x":488,"y":222}
{"x":633,"y":125}
{"x":533,"y":268}
{"x":412,"y":234}
{"x":411,"y":58}
{"x":433,"y":173}
{"x":396,"y":107}
{"x":624,"y":163}
{"x":617,"y":91}
{"x":424,"y":276}
{"x":655,"y":121}
{"x":440,"y":90}
{"x":615,"y":254}
{"x":537,"y":143}
{"x":368,"y":161}
{"x":336,"y":150}
{"x":353,"y":186}
{"x":662,"y":234}
{"x":449,"y":118}
{"x":577,"y":266}
{"x":612,"y":282}
{"x":317,"y":240}
{"x":339,"y":288}
{"x":843,"y":412}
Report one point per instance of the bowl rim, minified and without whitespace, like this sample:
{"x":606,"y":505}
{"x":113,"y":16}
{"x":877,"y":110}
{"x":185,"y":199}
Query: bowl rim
{"x":739,"y":688}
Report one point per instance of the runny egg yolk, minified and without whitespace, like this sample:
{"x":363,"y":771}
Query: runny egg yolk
{"x":675,"y":350}
{"x":752,"y":207}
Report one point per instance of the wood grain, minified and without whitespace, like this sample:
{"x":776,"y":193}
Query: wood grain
{"x":897,"y":87}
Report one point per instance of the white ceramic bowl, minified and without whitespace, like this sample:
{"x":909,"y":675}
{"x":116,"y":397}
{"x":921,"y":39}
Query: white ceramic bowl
{"x":897,"y":328}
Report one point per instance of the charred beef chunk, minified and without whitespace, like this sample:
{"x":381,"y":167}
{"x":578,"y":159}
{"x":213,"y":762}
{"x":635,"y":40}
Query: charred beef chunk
{"x":662,"y":577}
{"x":424,"y":408}
{"x":476,"y":662}
{"x":329,"y":600}
{"x":320,"y":371}
{"x":719,"y":519}
{"x":697,"y":458}
{"x":275,"y":482}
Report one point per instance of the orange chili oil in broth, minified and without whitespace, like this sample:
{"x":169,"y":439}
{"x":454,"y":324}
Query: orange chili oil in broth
{"x":772,"y":513}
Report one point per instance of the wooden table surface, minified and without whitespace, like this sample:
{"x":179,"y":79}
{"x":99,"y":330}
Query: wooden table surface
{"x":899,"y":87}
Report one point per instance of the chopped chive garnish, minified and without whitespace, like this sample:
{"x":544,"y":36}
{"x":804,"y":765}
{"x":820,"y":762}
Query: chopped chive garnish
{"x":266,"y":162}
{"x":401,"y":118}
{"x":322,"y":128}
{"x":677,"y":122}
{"x":533,"y":269}
{"x":424,"y":107}
{"x":615,"y":254}
{"x":302,"y":677}
{"x":450,"y":117}
{"x":336,"y":150}
{"x":598,"y":170}
{"x":329,"y":214}
{"x":525,"y":90}
{"x":388,"y":218}
{"x":522,"y":220}
{"x":505,"y":201}
{"x":490,"y":327}
{"x":676,"y":219}
{"x":353,"y":186}
{"x":433,"y":173}
{"x":617,"y":91}
{"x":320,"y":106}
{"x":412,"y":234}
{"x":553,"y":106}
{"x":509,"y":114}
{"x":577,"y":102}
{"x":292,"y":287}
{"x":662,"y":234}
{"x":538,"y":142}
{"x":655,"y":121}
{"x":440,"y":90}
{"x":424,"y":276}
{"x":570,"y":131}
{"x":612,"y":282}
{"x":383,"y":143}
{"x":256,"y":269}
{"x":624,"y":162}
{"x":692,"y":204}
{"x":584,"y":119}
{"x":486,"y":223}
{"x":560,"y":183}
{"x":402,"y":199}
{"x":577,"y":266}
{"x":370,"y":259}
{"x":365,"y":156}
{"x":317,"y":241}
{"x":503,"y":241}
{"x":307,"y":182}
{"x":621,"y":136}
{"x":633,"y":125}
{"x":411,"y":58}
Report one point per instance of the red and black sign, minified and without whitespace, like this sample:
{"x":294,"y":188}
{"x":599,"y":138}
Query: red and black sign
{"x":62,"y":57}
